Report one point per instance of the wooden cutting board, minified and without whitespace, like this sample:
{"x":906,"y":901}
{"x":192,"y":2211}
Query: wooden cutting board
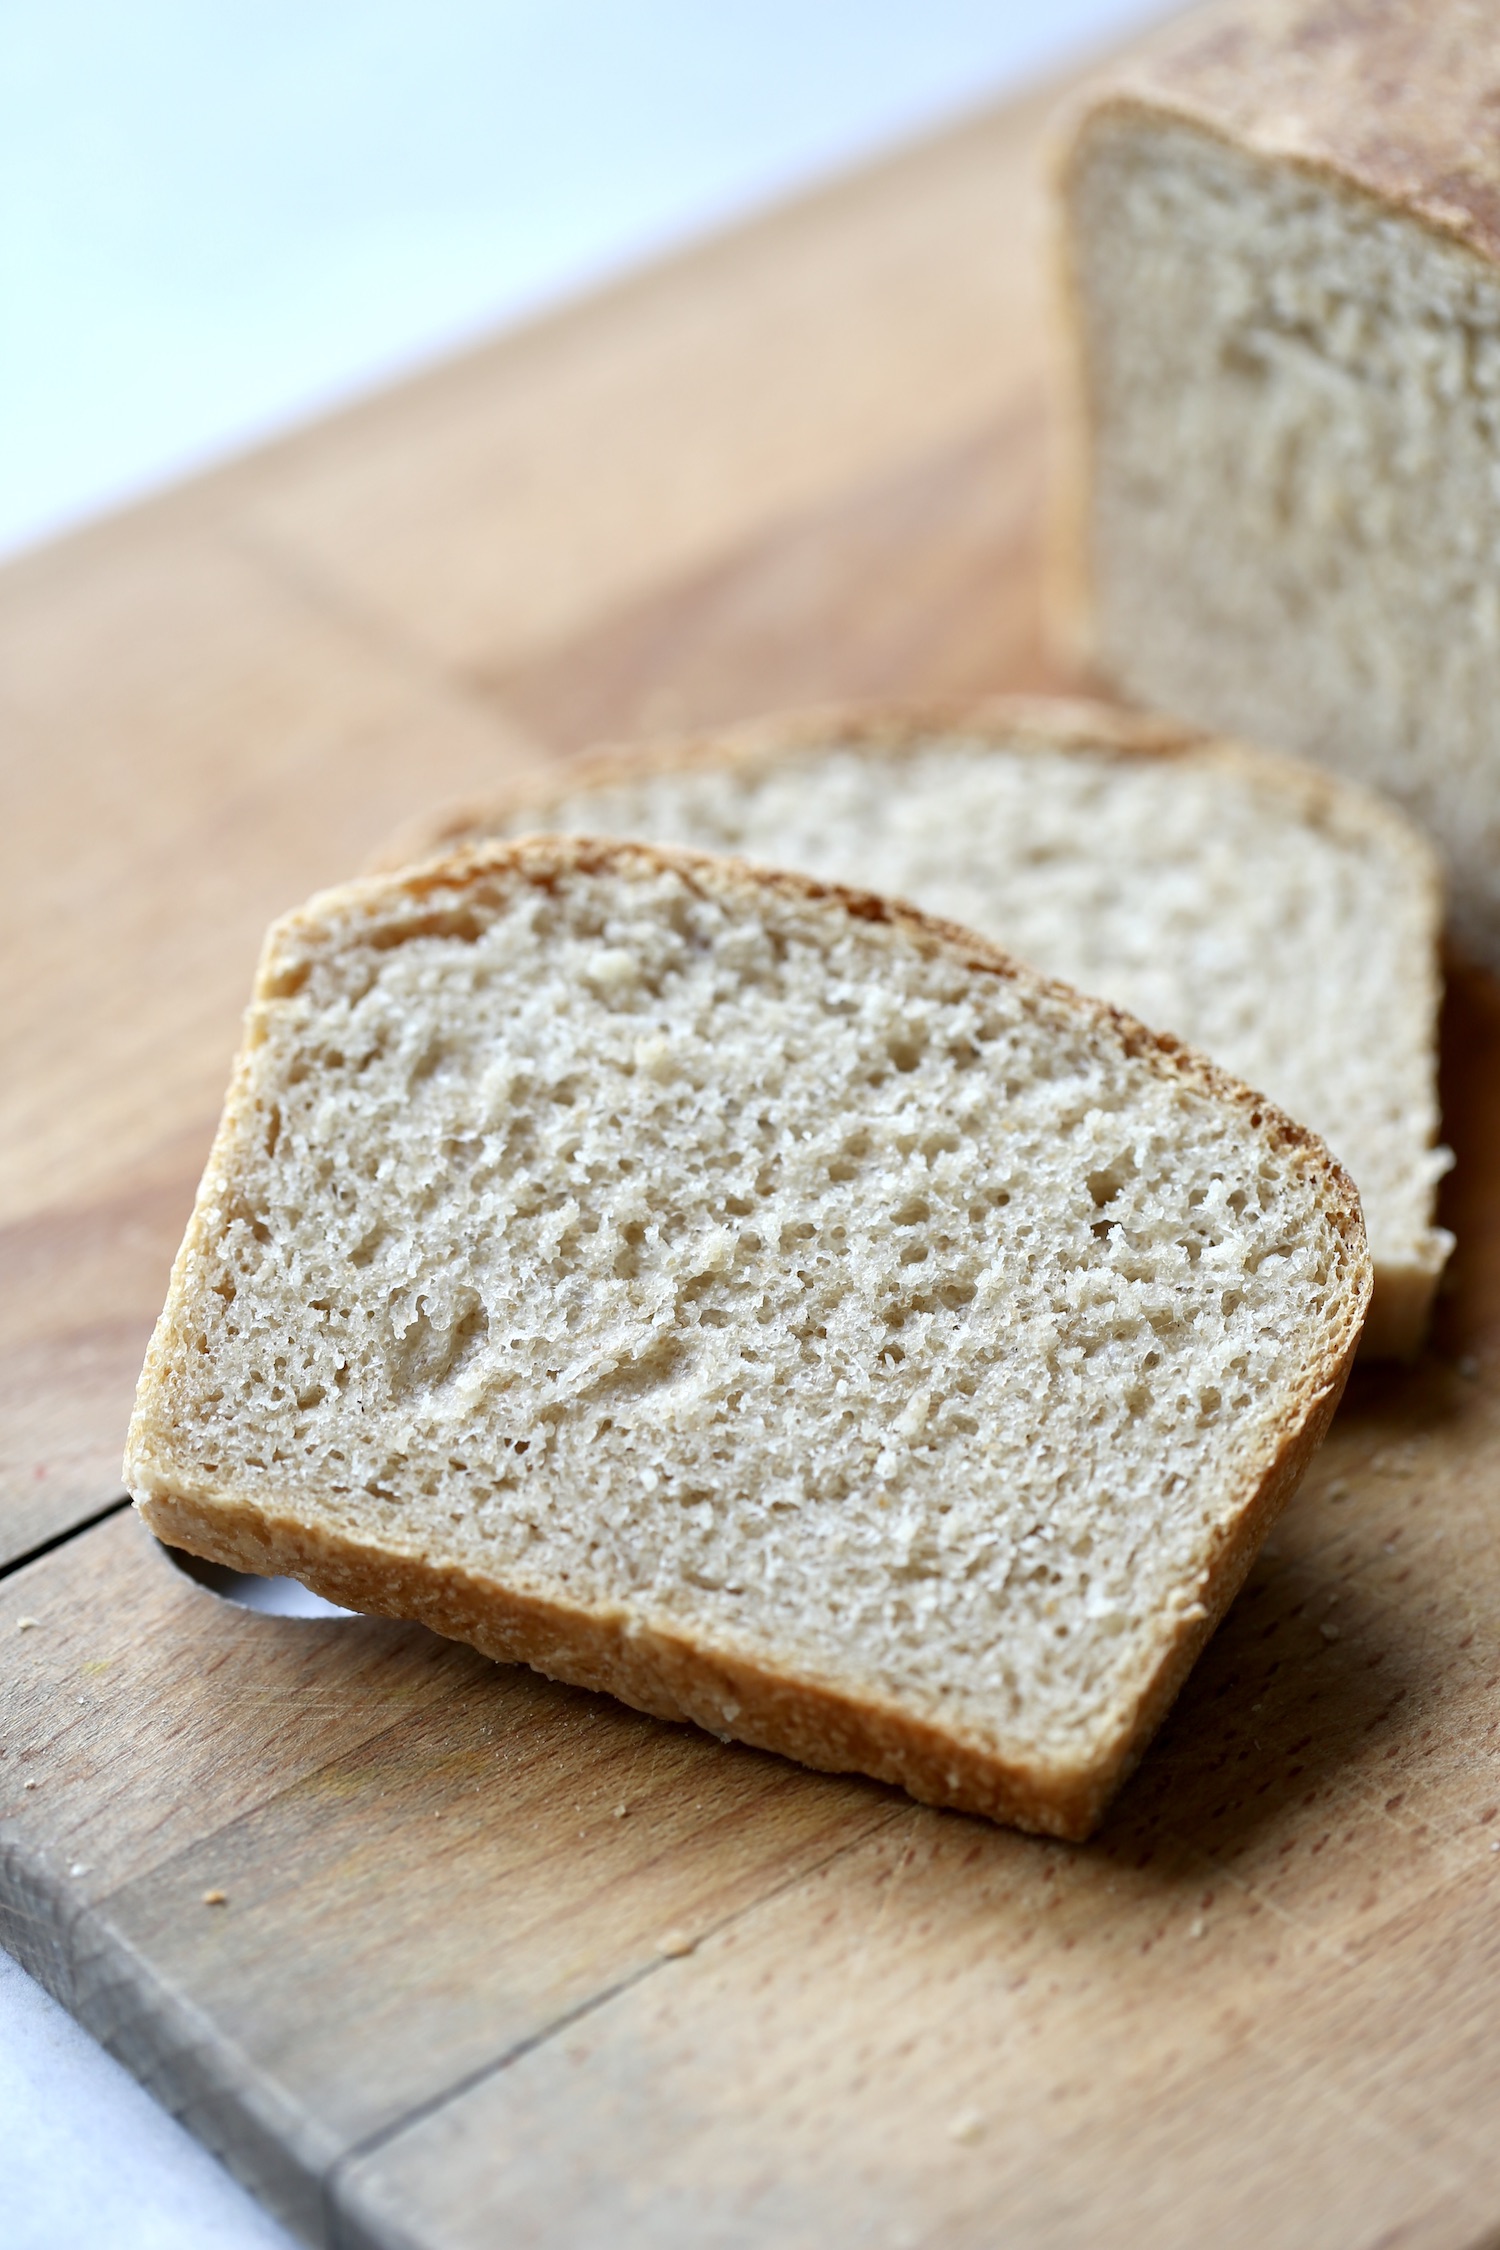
{"x":503,"y":1963}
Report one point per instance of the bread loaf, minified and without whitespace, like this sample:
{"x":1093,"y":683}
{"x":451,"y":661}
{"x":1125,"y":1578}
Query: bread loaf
{"x":1285,"y":924}
{"x":1282,"y":233}
{"x":756,"y":1300}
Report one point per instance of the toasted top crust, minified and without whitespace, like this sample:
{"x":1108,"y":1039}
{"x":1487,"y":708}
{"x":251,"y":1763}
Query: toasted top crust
{"x":1399,"y":98}
{"x":1046,"y":723}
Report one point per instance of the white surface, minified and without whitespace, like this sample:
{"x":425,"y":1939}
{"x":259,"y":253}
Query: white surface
{"x":214,"y":220}
{"x":87,"y":2159}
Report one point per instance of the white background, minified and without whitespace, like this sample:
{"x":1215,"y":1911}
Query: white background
{"x":215,"y":220}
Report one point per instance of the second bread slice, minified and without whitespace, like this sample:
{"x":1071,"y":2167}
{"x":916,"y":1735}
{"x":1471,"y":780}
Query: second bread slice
{"x":1285,"y":923}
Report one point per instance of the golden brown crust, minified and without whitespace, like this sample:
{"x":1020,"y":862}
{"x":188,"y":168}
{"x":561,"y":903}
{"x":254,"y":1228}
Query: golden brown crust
{"x":757,"y":745}
{"x":656,"y":1672}
{"x":1390,"y":98}
{"x":1231,"y":1565}
{"x":670,"y":1677}
{"x":659,"y":1670}
{"x":1025,"y":722}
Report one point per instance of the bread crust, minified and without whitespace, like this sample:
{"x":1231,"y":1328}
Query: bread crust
{"x":669,"y":1676}
{"x":893,"y":730}
{"x":661,"y":1670}
{"x":1390,"y":99}
{"x":1404,"y":1291}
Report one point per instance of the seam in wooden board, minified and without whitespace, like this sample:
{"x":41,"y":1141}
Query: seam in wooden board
{"x":61,"y":1538}
{"x":59,"y":1940}
{"x":372,"y":2143}
{"x":163,"y":2037}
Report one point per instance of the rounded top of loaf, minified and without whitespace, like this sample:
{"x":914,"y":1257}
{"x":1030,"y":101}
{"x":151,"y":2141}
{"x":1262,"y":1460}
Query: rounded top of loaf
{"x":1394,"y":98}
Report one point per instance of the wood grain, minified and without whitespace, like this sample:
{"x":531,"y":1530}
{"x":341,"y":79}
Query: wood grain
{"x":451,"y":1997}
{"x":423,"y":1858}
{"x":518,"y":496}
{"x":927,"y":574}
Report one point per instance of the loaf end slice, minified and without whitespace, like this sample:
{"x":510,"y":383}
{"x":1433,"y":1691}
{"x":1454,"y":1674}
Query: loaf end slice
{"x":1281,"y":230}
{"x":1282,"y":921}
{"x":753,"y":1299}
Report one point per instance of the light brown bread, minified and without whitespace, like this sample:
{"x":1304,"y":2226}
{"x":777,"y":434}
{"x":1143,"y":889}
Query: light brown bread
{"x":1282,"y":244}
{"x":754,"y":1299}
{"x":1285,"y":923}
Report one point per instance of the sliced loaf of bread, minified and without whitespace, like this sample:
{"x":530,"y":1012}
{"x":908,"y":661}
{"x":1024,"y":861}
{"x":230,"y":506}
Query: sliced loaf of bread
{"x":1285,"y":923}
{"x":1282,"y":234}
{"x":756,"y":1300}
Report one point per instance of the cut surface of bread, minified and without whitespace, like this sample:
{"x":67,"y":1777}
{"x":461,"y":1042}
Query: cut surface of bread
{"x":1282,"y":241}
{"x":1285,"y":924}
{"x":753,"y":1299}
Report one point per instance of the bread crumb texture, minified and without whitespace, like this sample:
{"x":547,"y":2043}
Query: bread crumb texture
{"x":1282,"y":924}
{"x":754,"y":1267}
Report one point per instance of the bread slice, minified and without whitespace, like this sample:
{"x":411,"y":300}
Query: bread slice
{"x":1284,"y":923}
{"x":753,"y":1299}
{"x":1283,"y":246}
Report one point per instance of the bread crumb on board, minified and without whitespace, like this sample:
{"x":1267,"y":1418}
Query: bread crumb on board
{"x":673,"y":1944}
{"x":216,"y":1898}
{"x":967,"y":2128}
